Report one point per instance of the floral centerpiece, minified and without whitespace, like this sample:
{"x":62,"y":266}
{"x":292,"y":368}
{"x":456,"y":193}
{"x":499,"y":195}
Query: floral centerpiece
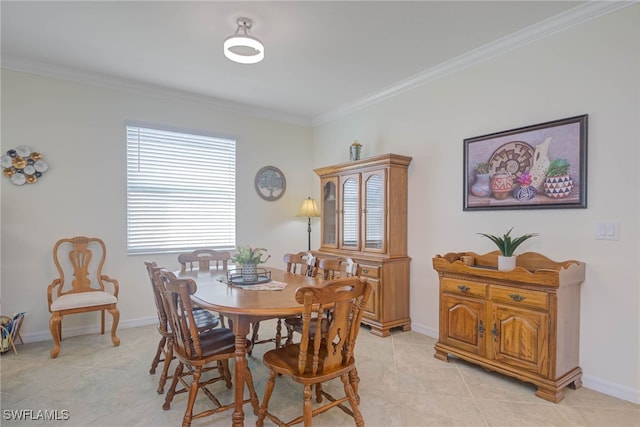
{"x":249,"y":258}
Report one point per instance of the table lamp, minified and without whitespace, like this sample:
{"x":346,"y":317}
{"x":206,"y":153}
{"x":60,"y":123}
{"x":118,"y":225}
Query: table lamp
{"x":309,"y":209}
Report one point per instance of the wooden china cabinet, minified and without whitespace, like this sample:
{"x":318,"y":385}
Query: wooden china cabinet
{"x":364,"y":217}
{"x":523,"y":323}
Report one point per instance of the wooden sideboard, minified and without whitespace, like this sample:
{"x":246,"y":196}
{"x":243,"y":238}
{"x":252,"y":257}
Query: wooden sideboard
{"x":364,"y":217}
{"x":523,"y":323}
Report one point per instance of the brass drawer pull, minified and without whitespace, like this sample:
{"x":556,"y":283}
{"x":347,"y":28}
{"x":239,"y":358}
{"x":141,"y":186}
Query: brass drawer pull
{"x":463,"y":288}
{"x":365,"y":270}
{"x":517,"y":297}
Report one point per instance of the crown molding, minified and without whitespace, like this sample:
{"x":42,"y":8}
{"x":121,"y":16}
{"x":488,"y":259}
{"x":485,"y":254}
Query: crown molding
{"x":142,"y":88}
{"x":575,"y":16}
{"x":560,"y":22}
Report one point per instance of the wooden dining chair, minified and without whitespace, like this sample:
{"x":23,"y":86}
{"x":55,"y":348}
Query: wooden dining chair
{"x":204,"y":259}
{"x":204,"y":320}
{"x":81,"y":260}
{"x":320,"y":357}
{"x":195,"y":350}
{"x":339,"y":267}
{"x":331,"y":269}
{"x":303,"y":263}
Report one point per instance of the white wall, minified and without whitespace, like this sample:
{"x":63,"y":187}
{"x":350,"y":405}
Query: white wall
{"x":592,"y":69}
{"x":80,"y":130}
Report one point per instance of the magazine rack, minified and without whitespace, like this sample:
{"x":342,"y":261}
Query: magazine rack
{"x":10,"y":330}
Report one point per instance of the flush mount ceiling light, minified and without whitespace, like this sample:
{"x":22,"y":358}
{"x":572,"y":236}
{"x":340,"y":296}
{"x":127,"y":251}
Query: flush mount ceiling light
{"x":243,"y":47}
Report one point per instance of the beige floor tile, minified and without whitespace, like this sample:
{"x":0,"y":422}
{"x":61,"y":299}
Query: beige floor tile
{"x":402,"y":385}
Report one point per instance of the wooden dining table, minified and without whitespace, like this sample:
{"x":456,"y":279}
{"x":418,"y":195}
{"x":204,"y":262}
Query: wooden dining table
{"x":244,"y":306}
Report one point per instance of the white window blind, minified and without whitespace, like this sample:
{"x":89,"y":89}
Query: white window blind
{"x":180,"y":191}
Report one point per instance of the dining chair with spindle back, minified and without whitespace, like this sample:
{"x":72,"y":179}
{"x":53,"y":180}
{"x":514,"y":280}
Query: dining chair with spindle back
{"x":204,"y":320}
{"x":196,"y":349}
{"x":321,"y":356}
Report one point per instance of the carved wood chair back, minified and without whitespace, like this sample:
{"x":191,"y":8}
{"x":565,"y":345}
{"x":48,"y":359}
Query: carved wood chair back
{"x":338,"y":268}
{"x":303,"y":263}
{"x":204,"y":259}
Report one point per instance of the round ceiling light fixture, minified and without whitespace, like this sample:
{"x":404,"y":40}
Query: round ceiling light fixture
{"x":243,"y":47}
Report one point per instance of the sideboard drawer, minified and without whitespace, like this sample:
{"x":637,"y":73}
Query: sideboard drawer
{"x":370,"y":271}
{"x":463,"y":287}
{"x":523,"y":297}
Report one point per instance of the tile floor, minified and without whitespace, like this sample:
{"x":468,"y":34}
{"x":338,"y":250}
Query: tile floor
{"x":402,"y":384}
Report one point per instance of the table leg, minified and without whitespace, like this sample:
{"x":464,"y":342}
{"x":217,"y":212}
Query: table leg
{"x":241,"y":330}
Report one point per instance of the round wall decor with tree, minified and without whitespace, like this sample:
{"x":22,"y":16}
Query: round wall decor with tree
{"x":270,"y":183}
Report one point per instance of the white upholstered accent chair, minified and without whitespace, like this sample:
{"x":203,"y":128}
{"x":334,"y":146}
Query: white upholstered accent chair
{"x":80,"y":287}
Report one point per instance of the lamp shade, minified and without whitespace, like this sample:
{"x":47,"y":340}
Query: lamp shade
{"x":309,"y":208}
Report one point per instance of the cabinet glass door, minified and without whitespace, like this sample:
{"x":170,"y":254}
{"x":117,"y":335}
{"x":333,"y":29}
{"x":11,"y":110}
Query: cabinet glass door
{"x":329,"y":213}
{"x":374,"y":211}
{"x":350,"y":213}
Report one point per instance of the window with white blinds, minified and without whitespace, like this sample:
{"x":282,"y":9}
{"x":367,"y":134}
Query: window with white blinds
{"x":181,"y":191}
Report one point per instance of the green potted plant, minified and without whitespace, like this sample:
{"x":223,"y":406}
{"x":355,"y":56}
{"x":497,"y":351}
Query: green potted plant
{"x":249,"y":258}
{"x":507,"y":246}
{"x":558,"y":182}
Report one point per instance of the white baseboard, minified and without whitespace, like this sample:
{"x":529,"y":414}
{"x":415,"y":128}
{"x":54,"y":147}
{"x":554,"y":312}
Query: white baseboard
{"x":616,"y":390}
{"x":92,"y":329}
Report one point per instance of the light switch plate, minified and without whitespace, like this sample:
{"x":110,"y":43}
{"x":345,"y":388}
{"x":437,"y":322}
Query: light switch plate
{"x":607,"y":230}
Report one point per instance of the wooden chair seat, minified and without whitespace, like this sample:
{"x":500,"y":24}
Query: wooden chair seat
{"x":84,"y":299}
{"x":87,"y":289}
{"x":320,"y":355}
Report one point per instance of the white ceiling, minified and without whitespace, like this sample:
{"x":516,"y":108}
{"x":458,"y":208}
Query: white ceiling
{"x":320,"y":57}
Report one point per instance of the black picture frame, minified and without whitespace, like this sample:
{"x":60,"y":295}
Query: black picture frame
{"x":510,"y":155}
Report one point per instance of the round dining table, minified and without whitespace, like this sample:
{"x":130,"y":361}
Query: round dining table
{"x":245,"y":304}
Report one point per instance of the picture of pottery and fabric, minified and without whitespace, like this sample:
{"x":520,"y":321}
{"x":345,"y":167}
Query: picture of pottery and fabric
{"x":540,"y":166}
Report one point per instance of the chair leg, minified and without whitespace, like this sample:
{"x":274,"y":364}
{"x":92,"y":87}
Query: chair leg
{"x":268,"y":389}
{"x":255,"y":326}
{"x":193,"y":392}
{"x":156,"y":359}
{"x":278,"y":333}
{"x":168,"y":357}
{"x":354,"y":380}
{"x":172,"y":389}
{"x":307,"y":413}
{"x":102,"y":322}
{"x":115,"y":313}
{"x":348,"y":389}
{"x":252,"y":391}
{"x":54,"y":328}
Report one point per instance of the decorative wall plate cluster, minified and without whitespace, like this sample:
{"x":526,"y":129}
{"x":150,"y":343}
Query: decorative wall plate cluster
{"x":22,"y":165}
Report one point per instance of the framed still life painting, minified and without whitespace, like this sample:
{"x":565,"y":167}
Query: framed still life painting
{"x":535,"y":167}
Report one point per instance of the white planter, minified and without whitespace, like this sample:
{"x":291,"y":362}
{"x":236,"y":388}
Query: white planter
{"x":506,"y":263}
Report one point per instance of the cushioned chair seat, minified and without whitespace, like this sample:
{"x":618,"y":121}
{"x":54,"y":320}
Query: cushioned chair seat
{"x":83,"y":299}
